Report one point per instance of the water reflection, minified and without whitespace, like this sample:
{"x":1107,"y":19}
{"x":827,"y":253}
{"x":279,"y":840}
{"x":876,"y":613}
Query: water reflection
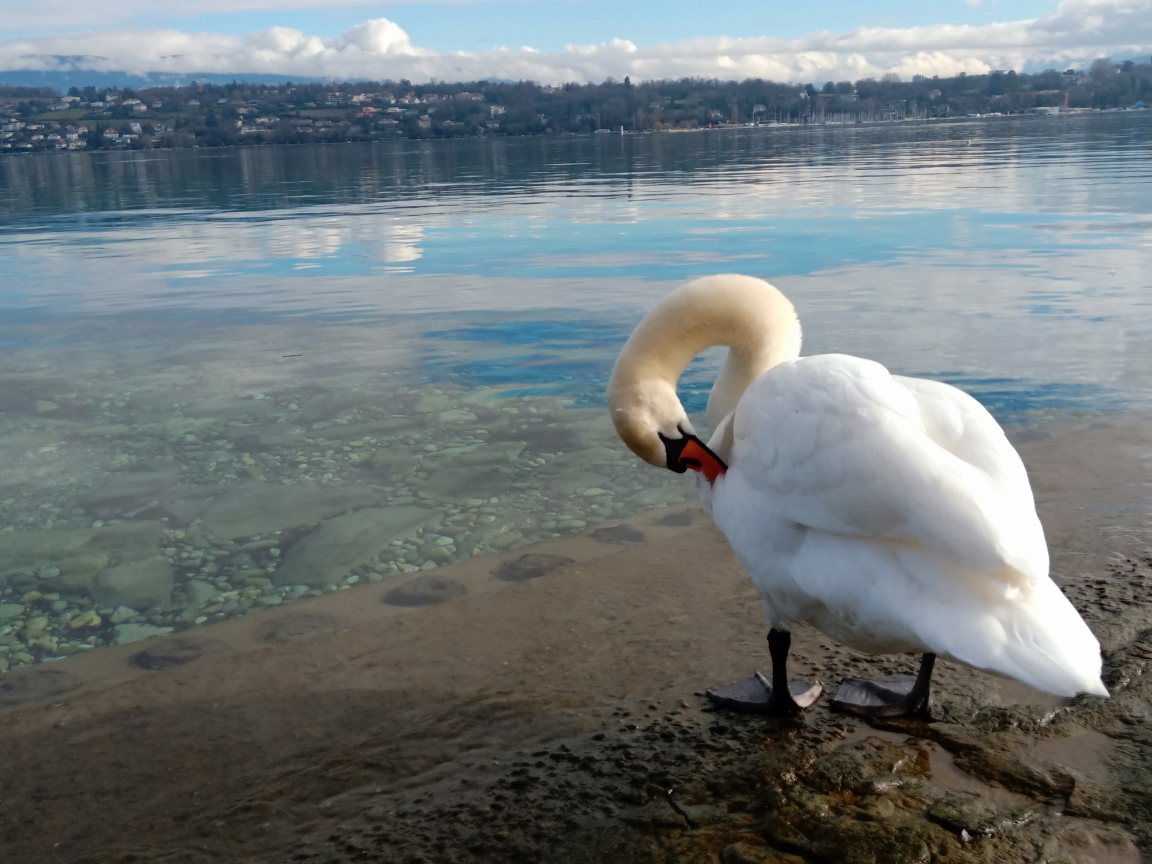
{"x":236,"y":379}
{"x":851,"y":167}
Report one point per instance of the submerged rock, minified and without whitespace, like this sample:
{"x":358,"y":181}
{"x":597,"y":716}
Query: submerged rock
{"x":505,"y":539}
{"x":433,"y":403}
{"x":85,"y":619}
{"x":260,"y":508}
{"x":121,"y":544}
{"x":326,"y":555}
{"x":141,"y":585}
{"x":328,"y":405}
{"x":456,"y":415}
{"x":461,"y":484}
{"x":136,"y":485}
{"x":572,"y":482}
{"x":258,"y":439}
{"x":80,"y":551}
{"x":475,"y":455}
{"x":123,"y":634}
{"x":198,"y":592}
{"x":227,"y":407}
{"x":396,"y":464}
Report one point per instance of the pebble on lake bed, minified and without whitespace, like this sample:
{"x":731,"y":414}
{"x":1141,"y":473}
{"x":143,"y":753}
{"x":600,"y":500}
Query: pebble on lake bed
{"x":85,"y":619}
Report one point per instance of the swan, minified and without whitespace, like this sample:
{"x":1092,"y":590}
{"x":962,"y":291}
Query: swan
{"x":890,"y":513}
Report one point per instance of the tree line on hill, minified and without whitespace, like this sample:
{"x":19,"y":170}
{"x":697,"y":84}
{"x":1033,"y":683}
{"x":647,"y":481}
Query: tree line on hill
{"x":213,"y":115}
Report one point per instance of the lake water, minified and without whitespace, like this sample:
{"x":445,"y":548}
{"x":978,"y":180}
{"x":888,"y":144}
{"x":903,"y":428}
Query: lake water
{"x":206,"y":353}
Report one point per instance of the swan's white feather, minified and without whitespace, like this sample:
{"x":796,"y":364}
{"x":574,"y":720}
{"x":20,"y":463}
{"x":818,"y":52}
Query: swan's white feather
{"x":892,"y":514}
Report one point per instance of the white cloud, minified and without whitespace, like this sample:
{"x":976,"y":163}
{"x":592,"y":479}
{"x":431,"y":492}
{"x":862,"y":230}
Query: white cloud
{"x":379,"y":36}
{"x":1076,"y":32}
{"x":20,"y":16}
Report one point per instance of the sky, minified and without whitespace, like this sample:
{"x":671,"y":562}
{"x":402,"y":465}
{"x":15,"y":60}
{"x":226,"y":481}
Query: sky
{"x":553,"y":41}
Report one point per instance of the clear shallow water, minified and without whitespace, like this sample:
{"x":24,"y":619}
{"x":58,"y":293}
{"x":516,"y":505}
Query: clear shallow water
{"x":205,"y":354}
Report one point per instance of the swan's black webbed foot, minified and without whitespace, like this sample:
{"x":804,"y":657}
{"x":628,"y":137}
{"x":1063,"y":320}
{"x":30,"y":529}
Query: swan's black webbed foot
{"x":758,"y":695}
{"x":890,"y":696}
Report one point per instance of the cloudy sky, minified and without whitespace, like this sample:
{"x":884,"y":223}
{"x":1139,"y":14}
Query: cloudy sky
{"x":569,"y":40}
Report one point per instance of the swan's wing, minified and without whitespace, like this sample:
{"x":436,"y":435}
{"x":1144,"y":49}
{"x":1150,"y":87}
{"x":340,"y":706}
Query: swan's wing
{"x":841,"y":446}
{"x":964,"y":428}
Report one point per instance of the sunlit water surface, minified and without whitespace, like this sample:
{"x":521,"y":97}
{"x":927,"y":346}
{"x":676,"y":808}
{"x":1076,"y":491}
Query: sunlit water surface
{"x":206,"y":354}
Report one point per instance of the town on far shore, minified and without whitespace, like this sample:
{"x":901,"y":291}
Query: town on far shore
{"x":208,"y":115}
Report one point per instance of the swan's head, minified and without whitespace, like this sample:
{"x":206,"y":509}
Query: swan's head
{"x":650,"y":419}
{"x":648,"y":415}
{"x":752,"y":318}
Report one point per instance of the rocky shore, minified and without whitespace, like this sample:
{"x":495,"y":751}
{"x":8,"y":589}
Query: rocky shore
{"x":543,"y":705}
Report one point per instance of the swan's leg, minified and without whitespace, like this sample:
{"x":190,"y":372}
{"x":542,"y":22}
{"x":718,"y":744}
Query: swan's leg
{"x":758,"y":695}
{"x":788,"y":696}
{"x":891,"y":696}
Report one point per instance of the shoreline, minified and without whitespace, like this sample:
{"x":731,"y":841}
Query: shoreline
{"x":556,"y":717}
{"x":596,"y":135}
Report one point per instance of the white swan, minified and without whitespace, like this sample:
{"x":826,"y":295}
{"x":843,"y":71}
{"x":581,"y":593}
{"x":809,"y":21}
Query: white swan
{"x":891,"y":513}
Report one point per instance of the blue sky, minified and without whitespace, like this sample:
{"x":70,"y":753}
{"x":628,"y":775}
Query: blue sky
{"x":547,"y":25}
{"x":554,"y":41}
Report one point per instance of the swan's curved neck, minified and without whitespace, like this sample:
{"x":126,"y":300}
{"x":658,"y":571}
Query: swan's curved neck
{"x":748,"y":315}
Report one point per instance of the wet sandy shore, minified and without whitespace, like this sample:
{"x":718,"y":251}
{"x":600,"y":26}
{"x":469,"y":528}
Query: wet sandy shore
{"x":548,"y":710}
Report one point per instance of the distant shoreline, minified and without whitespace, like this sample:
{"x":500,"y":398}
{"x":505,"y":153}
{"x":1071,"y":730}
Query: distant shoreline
{"x":396,"y":139}
{"x":209,"y":116}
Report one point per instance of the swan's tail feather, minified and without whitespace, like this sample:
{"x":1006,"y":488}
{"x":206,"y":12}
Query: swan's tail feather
{"x":1054,"y":646}
{"x":1040,"y":640}
{"x":883,"y":597}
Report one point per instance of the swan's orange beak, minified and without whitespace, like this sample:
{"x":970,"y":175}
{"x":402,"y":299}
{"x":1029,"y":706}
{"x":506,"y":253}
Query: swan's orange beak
{"x":698,"y":457}
{"x":691,"y":452}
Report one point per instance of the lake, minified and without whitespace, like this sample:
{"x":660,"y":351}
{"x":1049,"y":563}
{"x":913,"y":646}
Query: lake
{"x":206,"y":353}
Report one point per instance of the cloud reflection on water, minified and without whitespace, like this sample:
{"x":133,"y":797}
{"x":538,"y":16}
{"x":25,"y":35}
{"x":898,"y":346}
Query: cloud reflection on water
{"x":1018,"y":248}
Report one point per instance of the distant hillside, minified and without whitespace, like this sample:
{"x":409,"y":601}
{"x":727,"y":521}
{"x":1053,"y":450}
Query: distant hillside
{"x":206,"y":114}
